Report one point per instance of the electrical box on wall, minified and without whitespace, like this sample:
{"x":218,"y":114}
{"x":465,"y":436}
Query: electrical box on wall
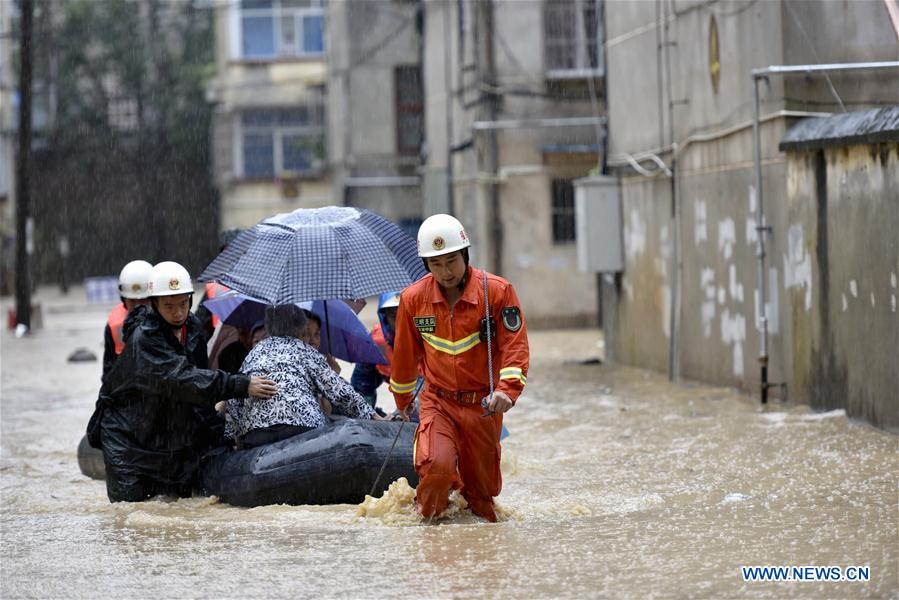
{"x":600,"y":229}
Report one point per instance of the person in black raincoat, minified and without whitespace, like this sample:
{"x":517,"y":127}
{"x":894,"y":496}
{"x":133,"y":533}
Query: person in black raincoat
{"x":155,"y":416}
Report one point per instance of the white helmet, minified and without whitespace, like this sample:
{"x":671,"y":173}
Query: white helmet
{"x":134,"y":280}
{"x":441,"y":234}
{"x":170,"y":279}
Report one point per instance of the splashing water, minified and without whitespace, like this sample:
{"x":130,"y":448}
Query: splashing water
{"x":397,"y":507}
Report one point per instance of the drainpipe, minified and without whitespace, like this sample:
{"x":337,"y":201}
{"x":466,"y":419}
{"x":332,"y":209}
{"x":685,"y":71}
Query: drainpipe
{"x":674,"y":302}
{"x":762,"y":228}
{"x":448,"y":84}
{"x":486,"y":70}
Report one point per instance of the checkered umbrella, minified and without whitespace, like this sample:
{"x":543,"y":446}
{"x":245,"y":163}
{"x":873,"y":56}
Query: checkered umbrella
{"x":318,"y":254}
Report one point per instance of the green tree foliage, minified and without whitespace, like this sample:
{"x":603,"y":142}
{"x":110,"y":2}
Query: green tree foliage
{"x":124,"y":159}
{"x":145,"y":62}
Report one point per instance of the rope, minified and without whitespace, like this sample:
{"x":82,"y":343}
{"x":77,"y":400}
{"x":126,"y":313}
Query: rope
{"x":489,"y":337}
{"x":390,"y":452}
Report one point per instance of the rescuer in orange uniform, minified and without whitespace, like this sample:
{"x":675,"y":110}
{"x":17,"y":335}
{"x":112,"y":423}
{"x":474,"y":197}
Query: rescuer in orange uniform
{"x":133,"y":282}
{"x":441,"y":325}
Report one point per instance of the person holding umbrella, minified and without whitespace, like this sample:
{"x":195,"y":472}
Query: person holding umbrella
{"x":465,"y":330}
{"x":156,"y":415}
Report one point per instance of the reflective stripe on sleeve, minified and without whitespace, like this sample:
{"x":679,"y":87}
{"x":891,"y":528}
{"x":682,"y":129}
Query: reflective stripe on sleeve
{"x":402,"y":388}
{"x":513,"y":373}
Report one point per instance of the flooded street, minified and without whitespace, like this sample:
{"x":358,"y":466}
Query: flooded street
{"x":616,"y":484}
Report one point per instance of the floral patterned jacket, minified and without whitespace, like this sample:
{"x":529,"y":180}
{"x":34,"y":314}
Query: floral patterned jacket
{"x":302,"y":375}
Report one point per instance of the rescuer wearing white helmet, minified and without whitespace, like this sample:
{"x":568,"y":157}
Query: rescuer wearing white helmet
{"x":368,"y":376}
{"x":474,"y":369}
{"x":171,"y":294}
{"x":155,"y":418}
{"x":133,"y":282}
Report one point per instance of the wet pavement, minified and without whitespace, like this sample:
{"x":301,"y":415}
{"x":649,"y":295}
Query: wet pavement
{"x":617,"y":484}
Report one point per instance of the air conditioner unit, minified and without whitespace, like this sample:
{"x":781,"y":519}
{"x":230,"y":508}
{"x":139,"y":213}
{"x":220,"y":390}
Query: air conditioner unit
{"x":600,"y":228}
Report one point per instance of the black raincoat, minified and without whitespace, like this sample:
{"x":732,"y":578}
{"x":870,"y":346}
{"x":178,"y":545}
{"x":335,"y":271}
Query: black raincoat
{"x":155,"y":415}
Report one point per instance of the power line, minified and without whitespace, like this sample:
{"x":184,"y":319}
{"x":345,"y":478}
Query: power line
{"x":811,"y":46}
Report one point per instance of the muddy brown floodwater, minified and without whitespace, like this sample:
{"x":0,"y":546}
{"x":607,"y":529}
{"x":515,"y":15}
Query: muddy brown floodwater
{"x":617,"y":484}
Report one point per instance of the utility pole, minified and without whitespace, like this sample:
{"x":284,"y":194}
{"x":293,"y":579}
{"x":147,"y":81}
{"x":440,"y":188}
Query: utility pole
{"x":23,"y":171}
{"x":448,"y":84}
{"x":488,"y":154}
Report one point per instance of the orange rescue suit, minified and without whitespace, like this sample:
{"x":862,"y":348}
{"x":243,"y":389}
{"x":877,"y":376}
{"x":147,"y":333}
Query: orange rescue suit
{"x":116,"y":322}
{"x":456,"y":447}
{"x":377,"y":336}
{"x":214,"y":289}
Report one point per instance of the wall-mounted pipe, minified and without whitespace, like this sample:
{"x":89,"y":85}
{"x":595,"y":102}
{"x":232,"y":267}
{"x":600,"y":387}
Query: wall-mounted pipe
{"x":537,"y":123}
{"x":386,"y":181}
{"x":623,"y":159}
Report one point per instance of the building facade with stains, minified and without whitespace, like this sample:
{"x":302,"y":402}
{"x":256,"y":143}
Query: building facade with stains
{"x":688,"y":299}
{"x":514,"y":113}
{"x":317,"y":103}
{"x":269,"y":135}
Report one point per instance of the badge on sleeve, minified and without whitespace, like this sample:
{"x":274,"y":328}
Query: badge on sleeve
{"x":512,"y":318}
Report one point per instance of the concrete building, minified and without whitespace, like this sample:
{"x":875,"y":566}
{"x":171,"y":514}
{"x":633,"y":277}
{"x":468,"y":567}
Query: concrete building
{"x":269,"y":139}
{"x":680,"y":102}
{"x":375,"y":121}
{"x":513,"y":113}
{"x":317,"y":103}
{"x":488,"y":110}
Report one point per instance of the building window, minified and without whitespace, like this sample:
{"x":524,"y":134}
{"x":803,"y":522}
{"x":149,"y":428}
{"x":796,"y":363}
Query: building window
{"x":409,"y":110}
{"x":122,"y":112}
{"x":572,"y":33}
{"x":563,"y":211}
{"x":275,"y":142}
{"x":410,"y":225}
{"x":281,"y":28}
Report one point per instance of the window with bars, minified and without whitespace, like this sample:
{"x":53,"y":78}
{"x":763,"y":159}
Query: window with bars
{"x":274,"y":142}
{"x":409,"y":109}
{"x":281,"y":28}
{"x":563,"y":211}
{"x":572,"y":33}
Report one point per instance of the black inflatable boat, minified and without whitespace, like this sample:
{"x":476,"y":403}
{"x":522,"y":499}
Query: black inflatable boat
{"x":335,"y":464}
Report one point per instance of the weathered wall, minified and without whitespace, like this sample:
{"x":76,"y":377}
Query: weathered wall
{"x":838,"y":32}
{"x":844,"y":217}
{"x":715,"y":319}
{"x":537,"y":267}
{"x":399,"y":204}
{"x":246,"y":203}
{"x":639,"y":114}
{"x":366,"y":42}
{"x":719,"y":328}
{"x":643,"y":306}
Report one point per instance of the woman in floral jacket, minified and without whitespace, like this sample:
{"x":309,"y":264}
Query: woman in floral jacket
{"x":302,"y":374}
